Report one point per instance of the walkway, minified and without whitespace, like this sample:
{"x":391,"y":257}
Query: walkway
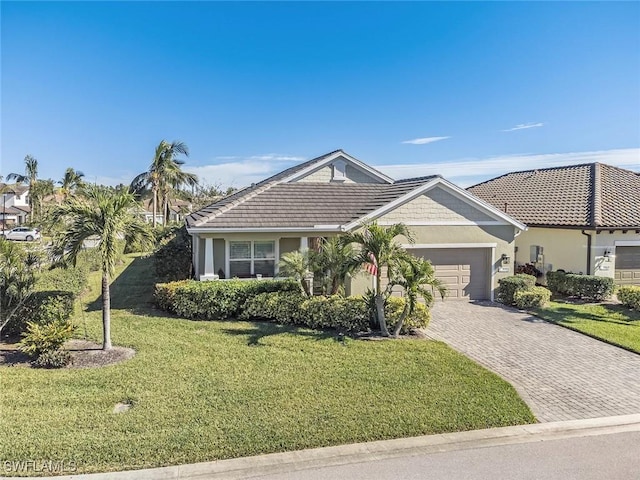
{"x":561,"y":374}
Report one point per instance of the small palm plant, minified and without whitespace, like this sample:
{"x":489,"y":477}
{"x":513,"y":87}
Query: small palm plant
{"x":296,"y":265}
{"x":109,"y":215}
{"x":417,"y":278}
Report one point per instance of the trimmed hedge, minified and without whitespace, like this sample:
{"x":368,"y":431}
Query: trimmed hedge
{"x":533,"y":298}
{"x":219,"y":300}
{"x":629,"y":296}
{"x":347,"y":314}
{"x":173,"y":254}
{"x":72,"y":280}
{"x":589,"y":287}
{"x":508,"y":286}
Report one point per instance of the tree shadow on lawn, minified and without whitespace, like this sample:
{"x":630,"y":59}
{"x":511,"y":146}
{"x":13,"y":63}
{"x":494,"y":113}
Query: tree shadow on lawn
{"x":615,"y":314}
{"x":261,"y":330}
{"x":133,"y":290}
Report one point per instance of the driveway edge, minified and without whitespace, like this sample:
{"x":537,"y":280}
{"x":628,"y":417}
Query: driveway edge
{"x":260,"y":465}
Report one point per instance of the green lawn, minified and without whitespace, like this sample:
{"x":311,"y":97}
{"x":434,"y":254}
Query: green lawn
{"x":615,"y":324}
{"x":212,"y":390}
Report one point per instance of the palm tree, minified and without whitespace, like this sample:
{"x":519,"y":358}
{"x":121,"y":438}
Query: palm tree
{"x":380,"y":251}
{"x":109,"y":215}
{"x":71,"y":181}
{"x":30,"y":177}
{"x":296,"y":265}
{"x":164,"y":174}
{"x":333,"y":262}
{"x":415,"y":274}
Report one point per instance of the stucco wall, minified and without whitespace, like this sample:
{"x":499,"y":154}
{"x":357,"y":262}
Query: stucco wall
{"x":567,"y":249}
{"x":320,"y":176}
{"x":353,"y":175}
{"x":436,"y":205}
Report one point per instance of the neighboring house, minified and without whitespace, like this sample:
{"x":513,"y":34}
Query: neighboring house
{"x":470,"y":242}
{"x":14,"y":204}
{"x":177,"y":211}
{"x":581,"y":218}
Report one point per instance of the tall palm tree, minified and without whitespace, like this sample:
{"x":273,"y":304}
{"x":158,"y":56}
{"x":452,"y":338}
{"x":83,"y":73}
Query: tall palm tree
{"x":71,"y":181}
{"x":415,"y":275}
{"x":379,"y":250}
{"x":109,"y":215}
{"x":164,"y":174}
{"x":30,"y":177}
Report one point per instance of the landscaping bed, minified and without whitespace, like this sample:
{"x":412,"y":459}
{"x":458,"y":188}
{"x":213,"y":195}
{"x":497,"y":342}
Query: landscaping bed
{"x":201,"y":391}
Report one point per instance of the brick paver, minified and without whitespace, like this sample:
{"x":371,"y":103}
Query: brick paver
{"x":561,"y":374}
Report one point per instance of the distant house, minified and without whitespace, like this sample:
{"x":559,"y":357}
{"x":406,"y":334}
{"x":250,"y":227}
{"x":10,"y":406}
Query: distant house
{"x":581,"y":218}
{"x":469,"y":242}
{"x":177,"y":211}
{"x":14,"y":204}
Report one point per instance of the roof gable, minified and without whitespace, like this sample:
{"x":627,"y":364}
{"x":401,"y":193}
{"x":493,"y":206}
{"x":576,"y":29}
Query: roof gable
{"x":591,"y":195}
{"x":324,"y":170}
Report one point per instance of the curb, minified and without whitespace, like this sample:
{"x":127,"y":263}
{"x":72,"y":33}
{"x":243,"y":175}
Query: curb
{"x":247,"y":467}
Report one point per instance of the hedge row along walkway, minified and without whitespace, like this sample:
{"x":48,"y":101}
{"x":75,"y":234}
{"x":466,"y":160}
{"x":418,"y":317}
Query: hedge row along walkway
{"x":561,"y":374}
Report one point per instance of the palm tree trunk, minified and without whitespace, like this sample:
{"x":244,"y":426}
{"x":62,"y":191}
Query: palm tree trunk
{"x":380,"y":306}
{"x":155,"y":205}
{"x":403,"y":317}
{"x":106,"y":313}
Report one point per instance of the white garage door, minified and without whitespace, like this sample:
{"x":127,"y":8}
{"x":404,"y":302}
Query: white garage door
{"x":627,"y":266}
{"x":465,"y":271}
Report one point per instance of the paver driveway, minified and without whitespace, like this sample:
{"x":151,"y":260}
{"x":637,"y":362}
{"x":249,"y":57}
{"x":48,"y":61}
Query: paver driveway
{"x":561,"y":374}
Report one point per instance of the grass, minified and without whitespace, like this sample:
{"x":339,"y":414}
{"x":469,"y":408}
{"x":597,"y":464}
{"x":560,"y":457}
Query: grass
{"x":212,"y":390}
{"x":614,"y":324}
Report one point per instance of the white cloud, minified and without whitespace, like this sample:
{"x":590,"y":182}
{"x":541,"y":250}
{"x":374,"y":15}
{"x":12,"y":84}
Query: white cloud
{"x":238,"y":171}
{"x":425,"y":140}
{"x":523,"y":126}
{"x":469,"y":171}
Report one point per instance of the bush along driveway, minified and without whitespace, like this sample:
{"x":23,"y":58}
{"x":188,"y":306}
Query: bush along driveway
{"x":207,"y":390}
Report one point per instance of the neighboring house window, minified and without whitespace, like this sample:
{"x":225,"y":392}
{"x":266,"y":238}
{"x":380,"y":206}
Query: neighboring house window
{"x":17,"y":197}
{"x":249,"y":258}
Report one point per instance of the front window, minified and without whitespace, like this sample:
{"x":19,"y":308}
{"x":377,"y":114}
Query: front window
{"x":251,"y":258}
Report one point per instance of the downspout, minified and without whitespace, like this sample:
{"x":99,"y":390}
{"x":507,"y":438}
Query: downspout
{"x":589,"y":237}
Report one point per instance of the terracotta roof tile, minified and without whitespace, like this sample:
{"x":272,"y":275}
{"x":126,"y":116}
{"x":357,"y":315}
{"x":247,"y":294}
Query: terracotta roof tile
{"x":589,"y":195}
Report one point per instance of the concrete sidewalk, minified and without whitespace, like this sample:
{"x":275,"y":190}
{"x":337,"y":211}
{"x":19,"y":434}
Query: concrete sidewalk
{"x":262,"y":465}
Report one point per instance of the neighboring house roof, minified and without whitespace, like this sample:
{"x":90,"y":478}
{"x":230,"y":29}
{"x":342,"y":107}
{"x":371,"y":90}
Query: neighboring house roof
{"x":592,"y":195}
{"x":17,"y":189}
{"x":14,"y":210}
{"x":177,"y":206}
{"x":284,"y":202}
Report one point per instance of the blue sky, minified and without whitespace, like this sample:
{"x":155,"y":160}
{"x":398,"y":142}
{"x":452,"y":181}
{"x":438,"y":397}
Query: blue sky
{"x":467,"y":90}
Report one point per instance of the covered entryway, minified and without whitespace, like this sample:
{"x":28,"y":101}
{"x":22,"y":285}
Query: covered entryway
{"x":465,"y":271}
{"x":627,"y":266}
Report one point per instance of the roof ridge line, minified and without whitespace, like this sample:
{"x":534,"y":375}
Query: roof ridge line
{"x":596,"y":197}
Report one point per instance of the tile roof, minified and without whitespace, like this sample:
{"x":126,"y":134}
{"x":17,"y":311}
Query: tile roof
{"x":303,"y":205}
{"x":14,"y":188}
{"x":296,"y":204}
{"x":591,"y":195}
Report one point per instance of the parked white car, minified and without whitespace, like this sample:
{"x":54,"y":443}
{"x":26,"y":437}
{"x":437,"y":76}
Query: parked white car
{"x":22,"y":233}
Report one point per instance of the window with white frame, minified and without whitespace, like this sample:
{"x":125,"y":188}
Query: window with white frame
{"x":250,"y":258}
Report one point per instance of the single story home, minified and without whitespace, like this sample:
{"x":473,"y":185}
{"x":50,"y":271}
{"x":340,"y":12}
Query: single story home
{"x":178,"y":209}
{"x":469,"y":241}
{"x":580,"y":218}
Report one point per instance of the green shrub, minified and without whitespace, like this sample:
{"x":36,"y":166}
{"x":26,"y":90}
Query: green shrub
{"x":589,"y":287}
{"x":508,"y":286}
{"x":629,"y":296}
{"x":173,"y":254}
{"x":533,"y":298}
{"x":217,"y":300}
{"x":72,"y":279}
{"x":41,"y":308}
{"x":39,"y":339}
{"x":347,"y":314}
{"x":90,"y":259}
{"x":418,"y":319}
{"x":279,"y":307}
{"x":54,"y":359}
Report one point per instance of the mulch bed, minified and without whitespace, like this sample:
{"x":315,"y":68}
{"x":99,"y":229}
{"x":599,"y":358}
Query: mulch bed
{"x":84,"y":354}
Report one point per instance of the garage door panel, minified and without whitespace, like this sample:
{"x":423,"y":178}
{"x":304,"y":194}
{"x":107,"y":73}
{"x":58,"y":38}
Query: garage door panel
{"x":465,"y":271}
{"x":627,"y":270}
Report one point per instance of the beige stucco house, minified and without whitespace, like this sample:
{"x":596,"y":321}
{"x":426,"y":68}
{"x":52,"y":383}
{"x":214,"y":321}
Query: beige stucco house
{"x":14,"y":206}
{"x":580,"y":218}
{"x":470,"y":242}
